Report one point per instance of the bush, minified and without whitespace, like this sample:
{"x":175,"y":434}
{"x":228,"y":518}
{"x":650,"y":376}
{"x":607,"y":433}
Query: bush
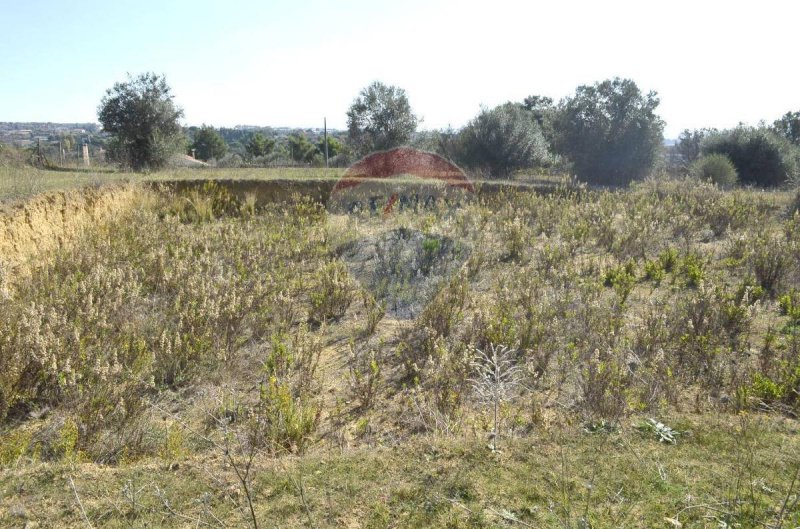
{"x":760,"y":156}
{"x":715,"y":167}
{"x":771,"y":260}
{"x":502,"y":140}
{"x":334,"y":293}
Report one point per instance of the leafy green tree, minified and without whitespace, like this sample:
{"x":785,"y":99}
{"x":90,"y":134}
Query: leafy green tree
{"x":259,"y":145}
{"x":380,"y":118}
{"x":208,"y":144}
{"x":301,"y":149}
{"x":789,"y":127}
{"x":544,"y":112}
{"x":334,"y":146}
{"x":761,"y":156}
{"x":142,"y":117}
{"x":609,"y":131}
{"x":502,"y":140}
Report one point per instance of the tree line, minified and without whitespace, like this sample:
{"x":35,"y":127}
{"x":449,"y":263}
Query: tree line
{"x":605,"y":133}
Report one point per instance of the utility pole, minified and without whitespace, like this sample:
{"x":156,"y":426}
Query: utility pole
{"x":325,"y":125}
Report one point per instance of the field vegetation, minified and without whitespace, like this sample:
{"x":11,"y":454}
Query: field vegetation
{"x":594,"y":358}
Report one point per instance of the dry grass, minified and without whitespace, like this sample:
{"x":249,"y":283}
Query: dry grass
{"x":186,"y":332}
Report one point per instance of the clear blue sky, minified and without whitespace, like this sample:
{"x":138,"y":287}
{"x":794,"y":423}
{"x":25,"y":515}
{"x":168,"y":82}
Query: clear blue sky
{"x":285,"y":63}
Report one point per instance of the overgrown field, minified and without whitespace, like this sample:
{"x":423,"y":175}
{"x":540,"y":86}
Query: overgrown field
{"x":574,"y":358}
{"x":19,"y":180}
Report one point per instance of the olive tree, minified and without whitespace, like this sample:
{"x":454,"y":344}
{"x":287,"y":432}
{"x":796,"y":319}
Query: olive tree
{"x":609,"y":131}
{"x":380,"y":118}
{"x":142,"y":117}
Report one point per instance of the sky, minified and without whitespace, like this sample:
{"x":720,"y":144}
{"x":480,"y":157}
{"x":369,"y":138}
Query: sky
{"x":291,"y":63}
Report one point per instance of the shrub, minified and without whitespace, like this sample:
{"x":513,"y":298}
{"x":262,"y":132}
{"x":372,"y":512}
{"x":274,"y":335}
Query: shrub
{"x":783,"y":389}
{"x":760,"y":156}
{"x":364,"y":365}
{"x":502,"y":140}
{"x":771,"y":260}
{"x":333,"y":294}
{"x":515,"y":235}
{"x":288,"y":410}
{"x":654,"y":271}
{"x":669,"y":259}
{"x":715,"y":167}
{"x":283,"y":421}
{"x":790,"y":305}
{"x":622,"y":278}
{"x":602,"y":382}
{"x":444,"y":310}
{"x":13,"y":446}
{"x":693,"y":269}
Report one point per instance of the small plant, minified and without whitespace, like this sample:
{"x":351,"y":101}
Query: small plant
{"x":771,"y":260}
{"x":431,"y":250}
{"x":444,"y":310}
{"x":693,"y":269}
{"x":654,"y":271}
{"x":601,"y":426}
{"x":247,"y":209}
{"x":365,"y":374}
{"x":602,"y":385}
{"x":14,"y":445}
{"x":281,"y":420}
{"x":334,"y":293}
{"x":375,"y":312}
{"x":496,"y":376}
{"x":66,"y":443}
{"x":790,"y":306}
{"x":669,"y":260}
{"x":622,"y":278}
{"x":174,"y":447}
{"x":661,"y":432}
{"x":514,"y":234}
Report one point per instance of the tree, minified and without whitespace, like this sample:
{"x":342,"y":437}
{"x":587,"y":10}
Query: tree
{"x":609,"y":131}
{"x":208,"y":144}
{"x":334,"y":146}
{"x":259,"y":145}
{"x":688,"y":146}
{"x":142,"y":118}
{"x":502,"y":140}
{"x":789,"y":127}
{"x":380,"y":118}
{"x":543,"y":112}
{"x":761,"y":156}
{"x":301,"y":149}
